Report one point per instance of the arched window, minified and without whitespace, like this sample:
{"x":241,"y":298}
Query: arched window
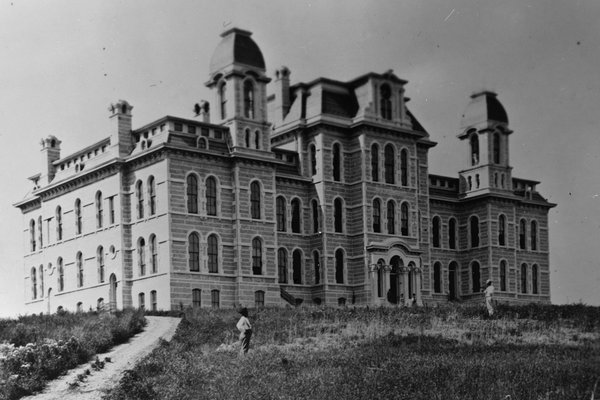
{"x":100,"y":261}
{"x":153,"y":254}
{"x":41,"y":273}
{"x":523,"y":234}
{"x":194,"y":251}
{"x":296,"y":218}
{"x":255,"y":200}
{"x":213,"y":254}
{"x":247,"y":138}
{"x":59,"y":226}
{"x":78,"y":219}
{"x":474,"y":228}
{"x":111,"y":210}
{"x":40,"y":230}
{"x":223,"y":100}
{"x":474,"y":149}
{"x":503,"y":276}
{"x":196,"y":298}
{"x":79,"y":266}
{"x":496,"y":148}
{"x":141,"y":301}
{"x":33,"y":277}
{"x":337,"y":162}
{"x":202,"y":143}
{"x":151,"y":195}
{"x":376,"y":216}
{"x":256,"y":256}
{"x":404,"y":167}
{"x":259,"y":299}
{"x":475,"y":277}
{"x":452,"y":233}
{"x":32,"y":234}
{"x":192,"y":194}
{"x":142,"y":256}
{"x":338,"y":214}
{"x":389,"y":164}
{"x":501,"y":230}
{"x":313,"y":159}
{"x":385,"y":102}
{"x":281,"y":213}
{"x":139,"y":193}
{"x":375,"y":162}
{"x":61,"y":274}
{"x":404,"y":219}
{"x":339,"y":266}
{"x":215,"y":298}
{"x":297,"y":267}
{"x":533,"y":235}
{"x":380,"y":277}
{"x":282,"y":265}
{"x":523,"y":278}
{"x":257,"y":139}
{"x":391,"y":217}
{"x":153,"y":300}
{"x":534,"y":279}
{"x":317,"y":265}
{"x":248,"y":99}
{"x":211,"y":196}
{"x":99,"y":210}
{"x":437,"y":277}
{"x":435,"y":231}
{"x":315,"y":215}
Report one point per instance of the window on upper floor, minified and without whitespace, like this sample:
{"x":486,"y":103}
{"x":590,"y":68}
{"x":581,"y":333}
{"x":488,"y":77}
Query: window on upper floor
{"x":59,"y":226}
{"x":389,"y":164}
{"x":452,"y":233}
{"x":338,"y":215}
{"x":33,"y":278}
{"x":100,"y":262}
{"x":78,"y":218}
{"x":255,"y":199}
{"x":194,"y":252}
{"x":315,"y":215}
{"x":404,"y":231}
{"x":281,"y":213}
{"x":61,"y":274}
{"x":256,"y":256}
{"x":139,"y":195}
{"x":337,"y":166}
{"x":41,"y":273}
{"x":391,"y":217}
{"x":40,"y":228}
{"x":312,"y":150}
{"x":32,"y":242}
{"x":151,"y":195}
{"x":496,"y":148}
{"x":475,"y":277}
{"x":436,"y":231}
{"x":111,"y":210}
{"x":257,"y":139}
{"x":249,"y":99}
{"x":212,"y":248}
{"x":297,"y":267}
{"x":375,"y":162}
{"x":533,"y":234}
{"x":99,"y":210}
{"x":385,"y":101}
{"x":79,"y":266}
{"x":376,"y":216}
{"x":474,"y":228}
{"x":474,"y":141}
{"x":223,"y":100}
{"x":502,"y":230}
{"x":404,"y":167}
{"x":296,"y":216}
{"x":247,"y":138}
{"x":522,"y":234}
{"x":141,"y":247}
{"x":211,"y":196}
{"x":339,"y":266}
{"x":192,"y":194}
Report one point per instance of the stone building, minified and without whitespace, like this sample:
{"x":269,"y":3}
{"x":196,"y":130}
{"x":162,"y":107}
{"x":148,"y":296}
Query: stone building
{"x":319,"y":193}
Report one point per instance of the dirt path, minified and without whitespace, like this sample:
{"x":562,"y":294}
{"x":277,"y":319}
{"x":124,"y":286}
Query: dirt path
{"x":123,"y":357}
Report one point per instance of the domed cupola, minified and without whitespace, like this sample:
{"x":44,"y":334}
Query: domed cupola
{"x":236,"y":48}
{"x":483,"y":111}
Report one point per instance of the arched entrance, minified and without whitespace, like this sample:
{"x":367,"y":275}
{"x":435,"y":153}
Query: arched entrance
{"x":112,"y":295}
{"x":393,"y":294}
{"x":452,"y":281}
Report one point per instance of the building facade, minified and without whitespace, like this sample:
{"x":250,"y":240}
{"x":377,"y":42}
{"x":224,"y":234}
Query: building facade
{"x":319,"y":193}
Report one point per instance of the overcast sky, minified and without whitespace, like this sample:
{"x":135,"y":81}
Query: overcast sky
{"x":63,"y":62}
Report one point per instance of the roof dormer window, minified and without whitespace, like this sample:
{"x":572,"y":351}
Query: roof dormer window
{"x":385,"y":101}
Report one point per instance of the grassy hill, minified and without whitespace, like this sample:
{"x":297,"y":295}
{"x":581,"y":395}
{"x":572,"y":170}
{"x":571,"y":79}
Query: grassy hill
{"x":450,"y":352}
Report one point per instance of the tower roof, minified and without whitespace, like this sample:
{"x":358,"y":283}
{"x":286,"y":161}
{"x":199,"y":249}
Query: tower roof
{"x":236,"y":47}
{"x":484,"y":107}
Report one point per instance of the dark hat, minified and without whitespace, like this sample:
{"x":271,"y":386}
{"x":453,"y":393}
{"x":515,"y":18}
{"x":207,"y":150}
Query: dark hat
{"x":243,"y":311}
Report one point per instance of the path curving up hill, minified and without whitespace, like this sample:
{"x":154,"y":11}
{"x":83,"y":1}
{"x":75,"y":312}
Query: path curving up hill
{"x":123,"y":357}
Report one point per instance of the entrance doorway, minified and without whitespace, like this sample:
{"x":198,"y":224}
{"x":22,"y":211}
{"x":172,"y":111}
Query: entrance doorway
{"x":393,"y":294}
{"x":112,"y":295}
{"x":452,"y":281}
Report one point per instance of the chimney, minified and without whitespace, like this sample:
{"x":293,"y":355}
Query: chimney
{"x":50,"y":153}
{"x":282,"y":93}
{"x":202,"y":110}
{"x":120,"y":138}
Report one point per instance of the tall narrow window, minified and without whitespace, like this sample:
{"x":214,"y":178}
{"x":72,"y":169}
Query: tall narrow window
{"x":376,"y":216}
{"x":151,"y":195}
{"x":100,"y":261}
{"x":313,"y":159}
{"x":215,"y":298}
{"x":111,"y":210}
{"x":282,"y":265}
{"x":475,"y":277}
{"x":33,"y":277}
{"x":41,"y":272}
{"x":40,"y":228}
{"x":533,"y":234}
{"x":32,"y":241}
{"x":59,"y":226}
{"x":192,"y":194}
{"x":142,"y":256}
{"x":141,"y":301}
{"x":296,"y":216}
{"x":153,"y":300}
{"x":61,"y":274}
{"x":213,"y":254}
{"x":257,"y":139}
{"x":259,"y":299}
{"x":315,"y":215}
{"x":153,"y":254}
{"x":437,"y":277}
{"x":524,"y":278}
{"x":375,"y":163}
{"x":503,"y":276}
{"x":317,"y":265}
{"x":452,"y":233}
{"x":281,"y":211}
{"x":339,"y":266}
{"x":501,"y":230}
{"x":391,"y":217}
{"x":337,"y":162}
{"x":404,"y":167}
{"x":196,"y":298}
{"x":435,"y":231}
{"x":385,"y":98}
{"x":139,"y":194}
{"x":247,"y":138}
{"x":194,"y":251}
{"x":522,"y":234}
{"x":474,"y":227}
{"x":211,"y":196}
{"x":223,"y":100}
{"x":496,"y":148}
{"x":389,"y":164}
{"x":99,"y":210}
{"x":256,"y":256}
{"x":255,"y":200}
{"x":534,"y":279}
{"x":404,"y":219}
{"x":338,"y":215}
{"x":474,"y":149}
{"x":380,"y":277}
{"x":79,"y":266}
{"x":248,"y":99}
{"x":297,"y":267}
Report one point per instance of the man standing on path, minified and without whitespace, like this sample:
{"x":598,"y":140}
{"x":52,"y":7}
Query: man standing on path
{"x":489,"y":293}
{"x":245,"y":329}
